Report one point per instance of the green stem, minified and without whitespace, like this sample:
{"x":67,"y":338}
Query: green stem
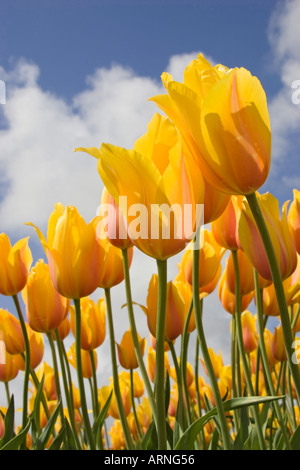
{"x":56,"y":376}
{"x":7,"y":393}
{"x":27,"y":359}
{"x":277,"y":281}
{"x":160,"y":355}
{"x":264,"y":356}
{"x":133,"y":404}
{"x":181,"y":407}
{"x":183,"y":361}
{"x":135,"y":337}
{"x":205,"y":353}
{"x":66,"y":388}
{"x":197,"y":347}
{"x":84,"y":408}
{"x":117,"y":390}
{"x":94,"y":385}
{"x":239,"y":331}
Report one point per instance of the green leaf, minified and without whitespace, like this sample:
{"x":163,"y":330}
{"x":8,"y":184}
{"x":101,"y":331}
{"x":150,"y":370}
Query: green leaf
{"x":150,"y":438}
{"x":244,"y":431}
{"x":187,"y":440}
{"x":295,"y":439}
{"x":9,"y":422}
{"x":18,"y":439}
{"x":97,"y":426}
{"x":45,"y":434}
{"x":37,"y":402}
{"x":59,"y":439}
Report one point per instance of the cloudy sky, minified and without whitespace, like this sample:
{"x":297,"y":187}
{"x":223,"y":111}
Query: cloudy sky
{"x":79,"y":73}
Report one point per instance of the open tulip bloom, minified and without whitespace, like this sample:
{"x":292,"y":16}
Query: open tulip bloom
{"x":200,"y":164}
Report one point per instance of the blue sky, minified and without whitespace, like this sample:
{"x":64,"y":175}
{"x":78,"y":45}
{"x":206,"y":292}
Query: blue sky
{"x":79,"y":73}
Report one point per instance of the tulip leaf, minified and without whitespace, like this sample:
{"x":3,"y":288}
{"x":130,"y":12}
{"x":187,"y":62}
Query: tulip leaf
{"x":187,"y":439}
{"x":18,"y":439}
{"x":150,"y":438}
{"x":37,"y":401}
{"x":97,"y":426}
{"x":8,"y":423}
{"x":57,"y":442}
{"x":45,"y":434}
{"x":295,"y":439}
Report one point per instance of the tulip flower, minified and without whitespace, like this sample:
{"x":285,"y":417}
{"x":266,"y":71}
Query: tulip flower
{"x":11,"y":331}
{"x":175,"y":310}
{"x":126,"y":352}
{"x":36,"y":344}
{"x":278,"y":347}
{"x":73,"y":251}
{"x":112,"y":270}
{"x":63,"y":329}
{"x":113,"y":410}
{"x":210,"y":257}
{"x":45,"y":307}
{"x":159,"y":181}
{"x":151,"y":363}
{"x":46,"y":371}
{"x":15,"y":263}
{"x":9,"y":368}
{"x":87,"y":370}
{"x":225,"y":227}
{"x":113,"y":221}
{"x":250,"y":335}
{"x":93,"y":326}
{"x":294,"y":219}
{"x":223,"y":117}
{"x":228,"y":299}
{"x":252,"y":244}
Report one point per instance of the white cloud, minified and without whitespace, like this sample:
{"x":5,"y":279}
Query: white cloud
{"x":284,"y":114}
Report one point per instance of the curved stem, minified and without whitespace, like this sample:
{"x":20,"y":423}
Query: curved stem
{"x":181,"y":416}
{"x":205,"y":353}
{"x":27,"y":359}
{"x":117,"y":390}
{"x":84,"y":409}
{"x":135,"y":337}
{"x":160,"y":355}
{"x":265,"y":361}
{"x":239,"y":330}
{"x":277,"y":281}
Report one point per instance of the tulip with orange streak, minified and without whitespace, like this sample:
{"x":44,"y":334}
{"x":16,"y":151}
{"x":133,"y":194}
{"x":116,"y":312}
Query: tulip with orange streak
{"x":11,"y":330}
{"x":15,"y":262}
{"x":144,"y":413}
{"x":113,"y":410}
{"x":151,"y":363}
{"x":126,"y":351}
{"x":210,"y":256}
{"x":63,"y":329}
{"x":268,"y":341}
{"x":294,"y":219}
{"x":8,"y":367}
{"x":228,"y":299}
{"x":117,"y":436}
{"x":45,"y":307}
{"x":250,"y":335}
{"x":138,"y":384}
{"x":175,"y":309}
{"x":278,"y":347}
{"x":93,"y":326}
{"x":217,"y":362}
{"x":74,"y":252}
{"x":252,"y":244}
{"x":160,"y":182}
{"x":37,"y":347}
{"x":87,"y":369}
{"x":113,"y":221}
{"x":223,"y":117}
{"x":225,"y":227}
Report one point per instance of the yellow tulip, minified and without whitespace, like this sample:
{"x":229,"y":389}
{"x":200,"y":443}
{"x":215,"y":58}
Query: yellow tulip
{"x":15,"y":263}
{"x":160,"y":186}
{"x":126,"y":351}
{"x":74,"y":252}
{"x":294,"y":219}
{"x":45,"y":307}
{"x":36,"y":344}
{"x":223,"y":118}
{"x":251,"y":242}
{"x":87,"y":369}
{"x":225,"y":227}
{"x":93,"y":326}
{"x":11,"y":333}
{"x":9,"y":368}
